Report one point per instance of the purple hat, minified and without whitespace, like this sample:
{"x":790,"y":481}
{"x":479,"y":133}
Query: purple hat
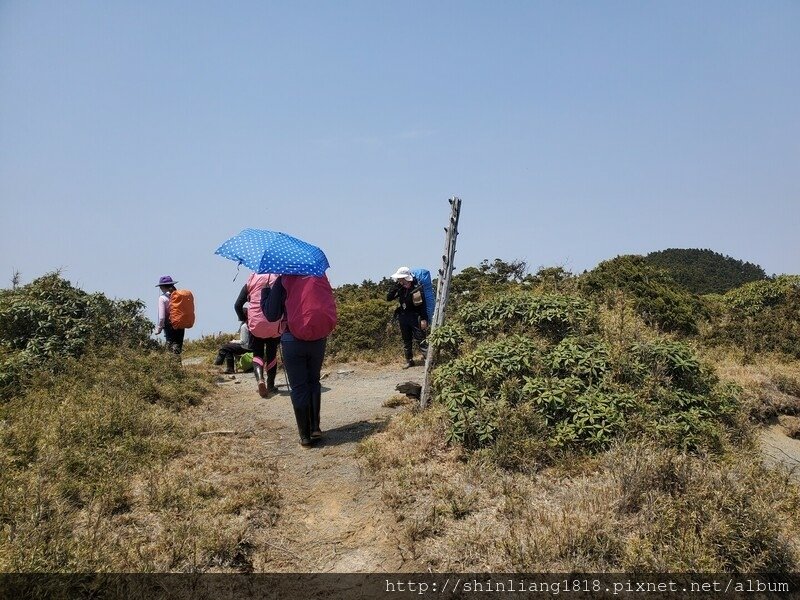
{"x":166,"y":280}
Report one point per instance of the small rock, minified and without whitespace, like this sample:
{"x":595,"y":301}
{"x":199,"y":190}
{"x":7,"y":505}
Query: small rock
{"x":345,"y":371}
{"x":409,"y":388}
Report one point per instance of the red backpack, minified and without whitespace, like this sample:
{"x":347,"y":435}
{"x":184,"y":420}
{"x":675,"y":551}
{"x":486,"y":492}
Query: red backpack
{"x":181,"y":309}
{"x":310,"y":306}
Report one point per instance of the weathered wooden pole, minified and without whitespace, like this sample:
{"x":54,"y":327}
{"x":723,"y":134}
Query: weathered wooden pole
{"x":442,"y":293}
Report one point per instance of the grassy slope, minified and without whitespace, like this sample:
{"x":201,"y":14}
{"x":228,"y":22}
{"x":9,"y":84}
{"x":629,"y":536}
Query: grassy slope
{"x":89,"y":479}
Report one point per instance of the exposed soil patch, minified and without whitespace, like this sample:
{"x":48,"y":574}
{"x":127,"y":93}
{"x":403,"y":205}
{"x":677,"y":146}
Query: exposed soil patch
{"x":779,"y":448}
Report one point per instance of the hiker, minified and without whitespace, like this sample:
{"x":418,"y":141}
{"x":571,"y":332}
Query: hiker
{"x":307,"y":310}
{"x":228,"y":352}
{"x":411,"y":314}
{"x":173,"y":335}
{"x":264,"y":336}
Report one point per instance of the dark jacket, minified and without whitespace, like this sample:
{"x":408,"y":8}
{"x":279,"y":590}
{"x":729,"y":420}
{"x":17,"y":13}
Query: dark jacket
{"x":276,"y":303}
{"x":238,"y":306}
{"x":404,"y":297}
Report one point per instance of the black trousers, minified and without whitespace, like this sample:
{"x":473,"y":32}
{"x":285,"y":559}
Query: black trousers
{"x":233,"y":349}
{"x":303,"y":363}
{"x":265,"y":350}
{"x":410,"y":331}
{"x":174,"y":337}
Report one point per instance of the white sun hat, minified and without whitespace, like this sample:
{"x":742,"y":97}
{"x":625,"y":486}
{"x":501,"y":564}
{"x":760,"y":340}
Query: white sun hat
{"x":403,"y":273}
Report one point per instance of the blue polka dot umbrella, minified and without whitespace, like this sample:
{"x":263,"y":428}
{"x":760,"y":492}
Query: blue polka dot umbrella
{"x":274,"y":252}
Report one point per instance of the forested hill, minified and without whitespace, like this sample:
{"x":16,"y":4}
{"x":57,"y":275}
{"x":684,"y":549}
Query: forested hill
{"x":705,"y":271}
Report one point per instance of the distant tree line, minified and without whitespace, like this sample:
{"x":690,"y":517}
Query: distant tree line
{"x":705,"y":271}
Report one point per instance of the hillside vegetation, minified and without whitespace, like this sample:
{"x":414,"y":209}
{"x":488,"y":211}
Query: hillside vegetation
{"x":600,"y":422}
{"x":606,"y":421}
{"x":86,"y":403}
{"x":705,"y":271}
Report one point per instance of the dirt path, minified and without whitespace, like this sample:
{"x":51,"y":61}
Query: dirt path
{"x":332,"y":518}
{"x":779,"y":448}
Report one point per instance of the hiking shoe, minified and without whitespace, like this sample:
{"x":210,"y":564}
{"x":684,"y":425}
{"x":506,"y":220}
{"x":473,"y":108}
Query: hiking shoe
{"x":316,"y":434}
{"x":305,"y":442}
{"x":409,"y":364}
{"x":262,"y":390}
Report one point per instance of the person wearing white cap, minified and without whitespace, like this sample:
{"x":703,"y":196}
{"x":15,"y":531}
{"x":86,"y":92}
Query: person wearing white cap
{"x":412,"y":314}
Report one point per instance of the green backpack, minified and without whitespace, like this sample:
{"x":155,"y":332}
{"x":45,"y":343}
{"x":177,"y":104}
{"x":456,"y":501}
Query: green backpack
{"x":246,"y":362}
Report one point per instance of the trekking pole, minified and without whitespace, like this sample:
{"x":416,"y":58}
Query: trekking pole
{"x":283,"y":362}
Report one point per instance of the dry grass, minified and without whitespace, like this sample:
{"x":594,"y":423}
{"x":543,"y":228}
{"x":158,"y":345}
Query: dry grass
{"x":99,"y":471}
{"x":187,"y":519}
{"x":621,"y":323}
{"x":770,"y":384}
{"x":399,"y":400}
{"x":791,"y":425}
{"x":637,"y":507}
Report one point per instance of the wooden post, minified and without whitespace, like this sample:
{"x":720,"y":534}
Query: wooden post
{"x":442,"y":293}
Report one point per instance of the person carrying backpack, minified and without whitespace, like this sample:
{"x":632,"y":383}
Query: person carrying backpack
{"x":411,"y":314}
{"x":306,"y":308}
{"x":264,"y":336}
{"x":172,"y":322}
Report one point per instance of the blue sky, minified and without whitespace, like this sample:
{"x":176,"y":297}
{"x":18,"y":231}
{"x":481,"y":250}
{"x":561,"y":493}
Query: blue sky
{"x":135,"y":137}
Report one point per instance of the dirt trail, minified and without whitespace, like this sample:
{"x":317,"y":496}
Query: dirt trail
{"x":779,"y":448}
{"x":332,"y":517}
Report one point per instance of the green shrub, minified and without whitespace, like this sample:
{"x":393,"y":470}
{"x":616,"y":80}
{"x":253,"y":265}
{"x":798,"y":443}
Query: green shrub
{"x":447,"y":340}
{"x":658,"y":299}
{"x":48,"y":320}
{"x":544,"y":375}
{"x":760,"y":317}
{"x":552,"y":316}
{"x":363,"y":326}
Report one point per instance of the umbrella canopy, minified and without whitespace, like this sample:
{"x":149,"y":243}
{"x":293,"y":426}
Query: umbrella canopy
{"x":274,"y":252}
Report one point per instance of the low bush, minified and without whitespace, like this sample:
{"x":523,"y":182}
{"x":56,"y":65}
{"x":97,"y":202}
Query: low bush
{"x":363,"y":328}
{"x":48,"y":320}
{"x":759,"y":317}
{"x":658,"y":299}
{"x":545,"y":374}
{"x":551,"y":316}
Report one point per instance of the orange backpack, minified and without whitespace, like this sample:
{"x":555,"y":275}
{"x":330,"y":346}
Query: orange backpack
{"x":181,"y":309}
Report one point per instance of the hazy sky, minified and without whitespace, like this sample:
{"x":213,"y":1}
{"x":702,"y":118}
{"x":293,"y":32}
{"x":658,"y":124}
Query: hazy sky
{"x":135,"y":137}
